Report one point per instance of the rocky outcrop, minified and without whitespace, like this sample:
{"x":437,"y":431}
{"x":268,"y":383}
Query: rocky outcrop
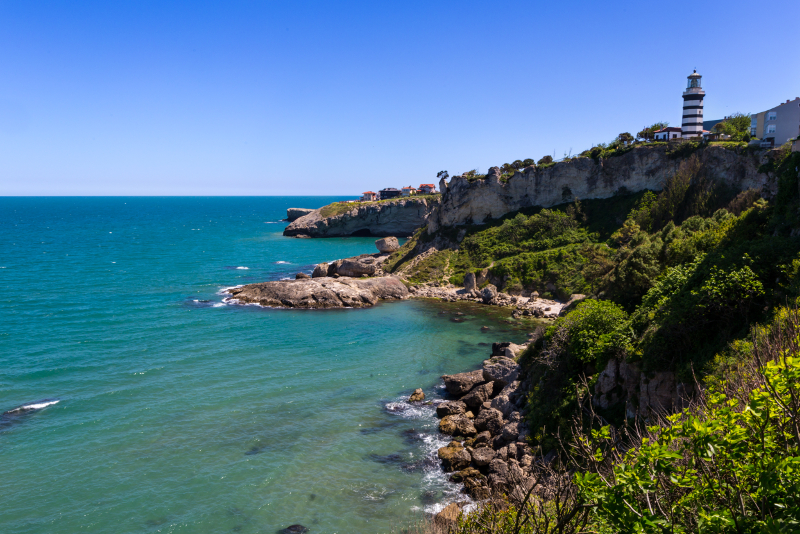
{"x":417,"y":396}
{"x":321,"y":292}
{"x":401,"y":217}
{"x":292,"y":214}
{"x":644,"y":394}
{"x":641,"y":168}
{"x":461,"y":383}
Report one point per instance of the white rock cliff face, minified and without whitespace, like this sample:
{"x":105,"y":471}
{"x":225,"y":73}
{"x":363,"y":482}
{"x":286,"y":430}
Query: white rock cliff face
{"x":584,"y":178}
{"x":396,"y":218}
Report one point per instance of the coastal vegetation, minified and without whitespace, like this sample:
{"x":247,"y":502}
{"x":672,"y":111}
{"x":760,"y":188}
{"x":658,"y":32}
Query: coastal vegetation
{"x":698,"y":281}
{"x":338,"y":208}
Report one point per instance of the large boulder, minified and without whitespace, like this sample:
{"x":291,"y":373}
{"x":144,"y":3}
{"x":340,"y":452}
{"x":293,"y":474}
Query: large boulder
{"x":478,"y":395}
{"x":447,"y":519}
{"x":457,"y":425}
{"x":461,"y":383}
{"x":357,"y":267}
{"x":501,"y":370}
{"x":502,"y":404}
{"x":482,"y":456}
{"x":320,"y":271}
{"x":388,"y":244}
{"x":450,"y":408}
{"x":489,"y":419}
{"x":454,"y":457}
{"x":510,"y":431}
{"x":498,"y":474}
{"x":321,"y":292}
{"x":489,"y":293}
{"x":469,"y":282}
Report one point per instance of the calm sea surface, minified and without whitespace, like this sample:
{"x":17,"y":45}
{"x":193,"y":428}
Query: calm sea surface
{"x":178,"y":413}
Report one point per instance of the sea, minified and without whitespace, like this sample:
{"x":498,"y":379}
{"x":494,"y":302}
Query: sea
{"x":135,"y":400}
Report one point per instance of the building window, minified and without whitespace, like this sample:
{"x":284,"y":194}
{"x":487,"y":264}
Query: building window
{"x":772,"y":115}
{"x":674,"y":136}
{"x":753,"y":122}
{"x":771,"y":128}
{"x":753,"y":132}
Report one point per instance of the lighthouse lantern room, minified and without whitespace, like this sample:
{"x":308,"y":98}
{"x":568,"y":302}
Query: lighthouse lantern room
{"x":692,"y":122}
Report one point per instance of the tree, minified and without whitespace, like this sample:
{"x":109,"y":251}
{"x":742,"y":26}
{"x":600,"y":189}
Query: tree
{"x":443,"y":175}
{"x":545,"y":160}
{"x":517,"y":164}
{"x":648,"y":132}
{"x":528,"y":162}
{"x":507,"y":168}
{"x":737,"y":126}
{"x":625,"y":137}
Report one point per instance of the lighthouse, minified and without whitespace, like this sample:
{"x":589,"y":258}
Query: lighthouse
{"x":692,"y":123}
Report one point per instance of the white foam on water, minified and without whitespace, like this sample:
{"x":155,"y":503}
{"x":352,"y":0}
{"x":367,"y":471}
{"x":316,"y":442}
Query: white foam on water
{"x":243,"y":268}
{"x":282,"y":262}
{"x":218,"y":304}
{"x":224,"y":290}
{"x":34,"y":406}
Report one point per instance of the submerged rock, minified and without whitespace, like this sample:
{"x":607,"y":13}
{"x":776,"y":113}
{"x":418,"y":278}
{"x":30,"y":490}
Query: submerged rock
{"x":294,"y":529}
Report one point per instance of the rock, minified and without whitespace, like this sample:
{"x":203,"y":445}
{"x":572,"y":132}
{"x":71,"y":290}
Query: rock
{"x":502,"y":404}
{"x":322,"y":292}
{"x":477,"y":488}
{"x":499,"y":349}
{"x":482,"y":456}
{"x":294,"y":529}
{"x":461,"y":476}
{"x":454,"y":457}
{"x":301,"y":276}
{"x":510,"y":431}
{"x":320,"y":271}
{"x":397,"y":217}
{"x":501,"y":370}
{"x":482,"y":438}
{"x":457,"y":425}
{"x":491,"y":420}
{"x":417,"y":396}
{"x":292,"y":214}
{"x":388,"y":244}
{"x":450,"y":408}
{"x":498,"y":474}
{"x":356,"y":267}
{"x":513,"y":350}
{"x":470,"y":283}
{"x":478,"y":395}
{"x":488,"y":294}
{"x":461,"y":383}
{"x":447,"y":519}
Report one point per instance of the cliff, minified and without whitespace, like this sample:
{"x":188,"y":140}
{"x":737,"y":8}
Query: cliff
{"x":645,"y":167}
{"x":401,"y":217}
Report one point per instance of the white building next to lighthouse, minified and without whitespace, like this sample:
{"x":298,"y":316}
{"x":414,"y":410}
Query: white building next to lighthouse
{"x":692,"y":121}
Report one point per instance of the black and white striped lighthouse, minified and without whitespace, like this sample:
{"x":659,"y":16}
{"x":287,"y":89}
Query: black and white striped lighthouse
{"x":692,"y":123}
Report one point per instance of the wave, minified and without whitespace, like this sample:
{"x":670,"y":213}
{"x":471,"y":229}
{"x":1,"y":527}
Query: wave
{"x":38,"y":405}
{"x":243,"y":268}
{"x":281,"y":262}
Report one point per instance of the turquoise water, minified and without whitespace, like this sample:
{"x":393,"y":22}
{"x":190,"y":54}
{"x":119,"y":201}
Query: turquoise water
{"x":178,"y":413}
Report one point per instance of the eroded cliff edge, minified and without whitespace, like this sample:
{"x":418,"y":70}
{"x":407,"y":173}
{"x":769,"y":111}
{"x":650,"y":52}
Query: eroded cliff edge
{"x":643,"y":167}
{"x":401,"y":217}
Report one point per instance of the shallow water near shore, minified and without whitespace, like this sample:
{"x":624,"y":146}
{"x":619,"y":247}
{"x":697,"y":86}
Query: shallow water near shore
{"x":157,"y":408}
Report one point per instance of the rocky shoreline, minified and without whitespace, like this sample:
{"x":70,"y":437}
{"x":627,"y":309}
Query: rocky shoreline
{"x":484,"y":415}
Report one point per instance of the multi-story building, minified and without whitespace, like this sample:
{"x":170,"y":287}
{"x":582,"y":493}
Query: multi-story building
{"x":777,"y":125}
{"x":390,"y":192}
{"x":409,"y":190}
{"x":427,"y":188}
{"x":369,"y":196}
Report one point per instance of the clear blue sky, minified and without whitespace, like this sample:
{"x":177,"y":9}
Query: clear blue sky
{"x":282,"y":98}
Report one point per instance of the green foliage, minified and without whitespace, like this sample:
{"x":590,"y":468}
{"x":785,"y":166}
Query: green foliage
{"x":731,"y":466}
{"x":648,"y":132}
{"x":736,"y":126}
{"x":593,"y":329}
{"x":545,"y":160}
